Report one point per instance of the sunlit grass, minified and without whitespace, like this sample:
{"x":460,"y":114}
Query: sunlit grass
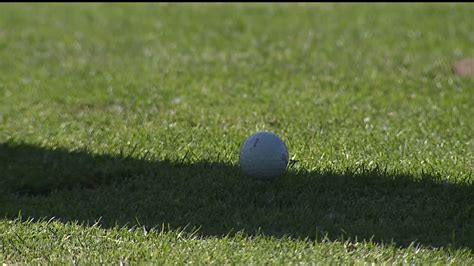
{"x":132,"y":115}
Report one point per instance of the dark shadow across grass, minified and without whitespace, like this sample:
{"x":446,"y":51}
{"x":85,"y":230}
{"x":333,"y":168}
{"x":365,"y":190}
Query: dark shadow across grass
{"x":218,"y":199}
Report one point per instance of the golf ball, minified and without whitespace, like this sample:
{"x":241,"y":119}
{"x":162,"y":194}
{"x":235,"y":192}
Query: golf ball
{"x":263,"y":155}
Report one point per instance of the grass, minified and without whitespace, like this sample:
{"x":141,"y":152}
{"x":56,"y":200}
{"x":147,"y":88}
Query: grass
{"x":120,"y":126}
{"x":76,"y":243}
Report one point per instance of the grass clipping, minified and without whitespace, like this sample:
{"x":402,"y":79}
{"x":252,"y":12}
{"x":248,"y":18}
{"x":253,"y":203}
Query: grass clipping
{"x":464,"y":68}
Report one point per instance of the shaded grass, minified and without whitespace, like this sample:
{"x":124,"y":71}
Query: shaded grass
{"x":367,"y":204}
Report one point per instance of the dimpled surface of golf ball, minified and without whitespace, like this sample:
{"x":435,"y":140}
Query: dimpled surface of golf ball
{"x":263,"y":156}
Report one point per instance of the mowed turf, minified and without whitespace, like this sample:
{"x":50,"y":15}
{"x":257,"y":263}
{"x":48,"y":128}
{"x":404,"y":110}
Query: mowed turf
{"x":120,"y":128}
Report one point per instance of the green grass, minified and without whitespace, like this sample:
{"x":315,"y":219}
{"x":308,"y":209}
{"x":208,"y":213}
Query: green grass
{"x":120,"y":127}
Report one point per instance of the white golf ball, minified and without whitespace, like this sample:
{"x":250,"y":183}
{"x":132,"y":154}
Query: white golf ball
{"x":263,"y":155}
